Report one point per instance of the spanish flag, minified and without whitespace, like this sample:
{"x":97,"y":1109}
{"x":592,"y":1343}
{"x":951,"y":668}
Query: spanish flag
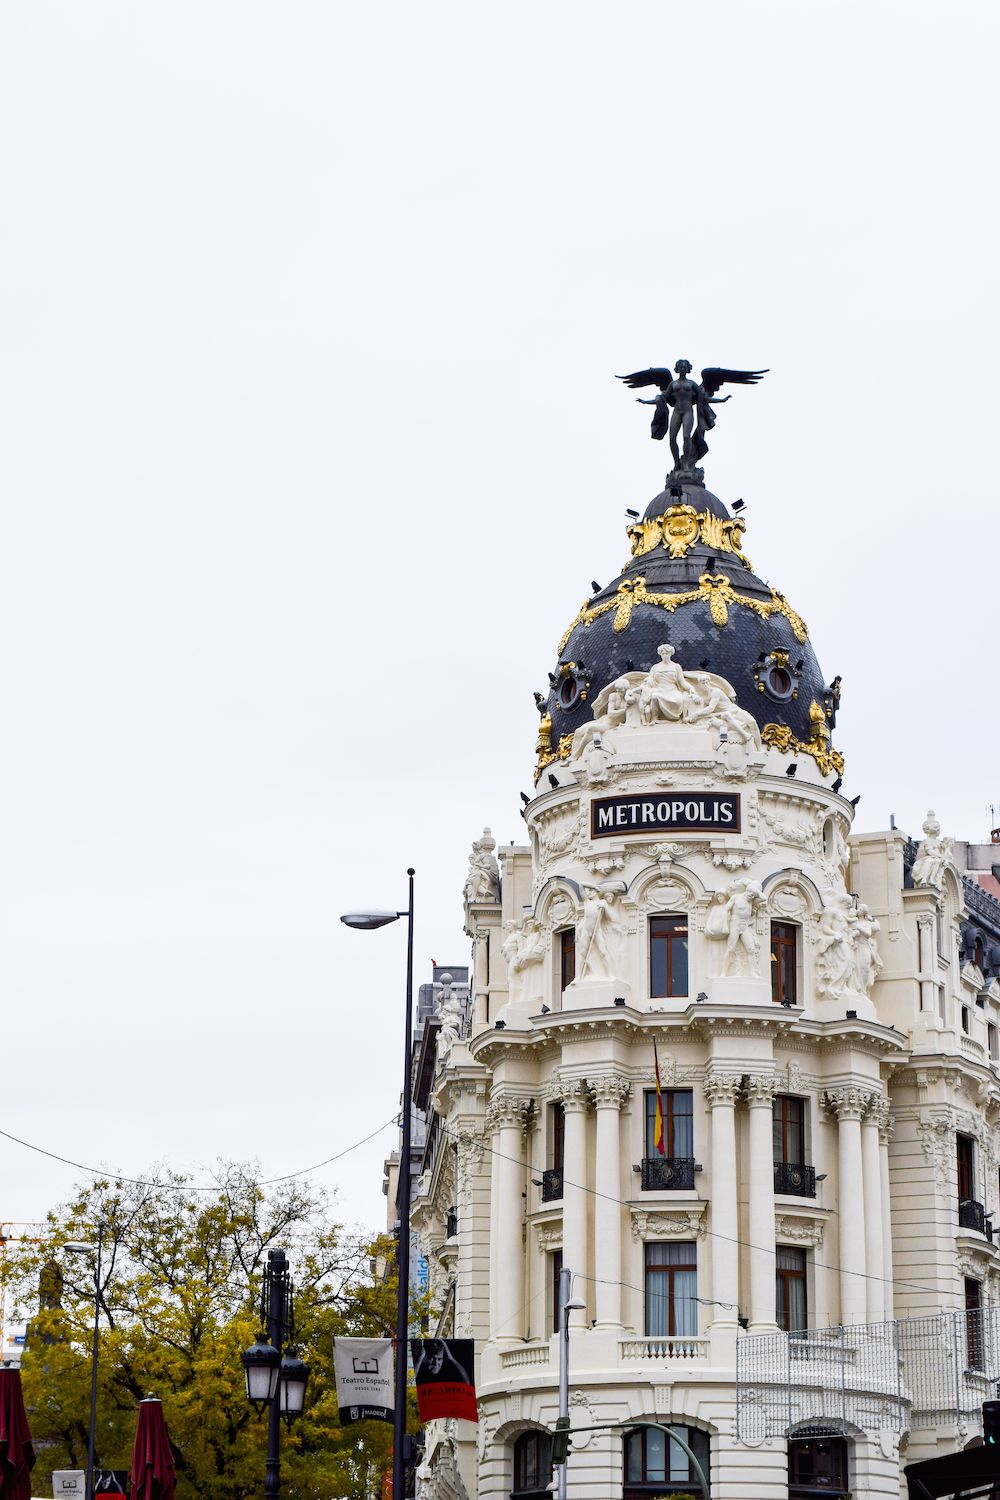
{"x":658,"y":1124}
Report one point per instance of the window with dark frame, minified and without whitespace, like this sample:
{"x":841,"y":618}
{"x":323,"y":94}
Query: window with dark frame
{"x":567,"y":956}
{"x":678,"y":1123}
{"x":789,"y":1130}
{"x":668,"y":957}
{"x":965,"y":1161}
{"x":532,"y":1466}
{"x":790,"y":1296}
{"x":817,"y":1466}
{"x":656,"y":1464}
{"x":973,"y":1323}
{"x":784,"y":960}
{"x":552,"y":1177}
{"x":555,"y":1271}
{"x":671,"y":1285}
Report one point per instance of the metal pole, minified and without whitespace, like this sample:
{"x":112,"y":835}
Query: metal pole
{"x":93,"y":1363}
{"x":565,"y":1284}
{"x":403,"y":1204}
{"x":277,"y":1281}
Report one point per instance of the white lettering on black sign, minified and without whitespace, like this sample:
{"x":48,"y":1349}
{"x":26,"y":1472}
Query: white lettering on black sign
{"x":694,"y":812}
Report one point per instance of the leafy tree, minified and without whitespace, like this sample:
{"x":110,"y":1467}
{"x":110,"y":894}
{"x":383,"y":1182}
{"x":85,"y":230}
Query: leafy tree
{"x":179,"y":1300}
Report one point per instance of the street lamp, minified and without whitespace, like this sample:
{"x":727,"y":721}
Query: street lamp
{"x":82,"y":1247}
{"x":367,"y":921}
{"x":277,"y":1383}
{"x":566,"y":1306}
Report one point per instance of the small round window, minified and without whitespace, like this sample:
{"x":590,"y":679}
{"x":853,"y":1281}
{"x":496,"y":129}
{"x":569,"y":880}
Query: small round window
{"x":779,"y":683}
{"x":569,"y":692}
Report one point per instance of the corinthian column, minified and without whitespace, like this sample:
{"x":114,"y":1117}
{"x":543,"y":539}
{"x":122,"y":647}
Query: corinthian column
{"x":721,"y":1090}
{"x":609,"y":1094}
{"x":849,"y":1104}
{"x":760,"y":1096}
{"x":574,"y":1096}
{"x":507,"y":1117}
{"x":871,"y":1171}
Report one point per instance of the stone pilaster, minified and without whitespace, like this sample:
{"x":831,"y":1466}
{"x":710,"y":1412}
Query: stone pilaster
{"x":575,"y":1099}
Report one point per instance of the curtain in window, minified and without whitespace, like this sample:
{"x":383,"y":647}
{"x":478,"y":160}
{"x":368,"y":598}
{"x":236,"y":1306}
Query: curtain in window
{"x":671,"y":1290}
{"x":792,"y":1262}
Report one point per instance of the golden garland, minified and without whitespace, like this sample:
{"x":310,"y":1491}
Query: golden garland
{"x":681,"y":526}
{"x":714,"y":588}
{"x":818,"y":745}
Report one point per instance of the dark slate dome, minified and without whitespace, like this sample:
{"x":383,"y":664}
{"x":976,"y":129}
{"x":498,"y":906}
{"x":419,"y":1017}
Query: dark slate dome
{"x":689,"y":584}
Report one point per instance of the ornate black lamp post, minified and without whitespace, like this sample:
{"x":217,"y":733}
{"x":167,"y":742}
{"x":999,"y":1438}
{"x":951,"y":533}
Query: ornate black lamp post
{"x":275,"y":1382}
{"x":367,"y":920}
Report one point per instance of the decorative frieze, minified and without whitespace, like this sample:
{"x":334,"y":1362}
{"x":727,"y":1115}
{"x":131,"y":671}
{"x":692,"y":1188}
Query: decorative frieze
{"x":677,"y":1224}
{"x":798,"y":1230}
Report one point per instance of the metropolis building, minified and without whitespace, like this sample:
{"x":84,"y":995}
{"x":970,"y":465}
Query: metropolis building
{"x":801,"y":1284}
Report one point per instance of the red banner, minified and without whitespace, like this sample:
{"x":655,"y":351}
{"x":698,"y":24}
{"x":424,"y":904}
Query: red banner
{"x":444,"y":1372}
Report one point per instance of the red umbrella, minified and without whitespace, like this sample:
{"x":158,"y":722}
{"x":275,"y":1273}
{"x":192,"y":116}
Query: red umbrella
{"x":152,"y":1473}
{"x":17,"y":1456}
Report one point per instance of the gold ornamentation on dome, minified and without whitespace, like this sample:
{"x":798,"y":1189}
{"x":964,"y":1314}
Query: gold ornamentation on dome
{"x":681,"y":526}
{"x":543,"y":745}
{"x":680,"y":529}
{"x":818,"y":745}
{"x":714,"y":588}
{"x":565,"y":746}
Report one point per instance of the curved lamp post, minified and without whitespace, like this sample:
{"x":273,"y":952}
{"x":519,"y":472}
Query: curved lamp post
{"x":83,"y":1247}
{"x":367,"y":921}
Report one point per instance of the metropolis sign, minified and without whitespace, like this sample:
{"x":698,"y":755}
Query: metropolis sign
{"x":694,"y":812}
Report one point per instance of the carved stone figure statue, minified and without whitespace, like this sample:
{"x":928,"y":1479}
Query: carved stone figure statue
{"x":867,"y":964}
{"x":933,"y":854}
{"x":451,"y":1013}
{"x":737,"y":922}
{"x":594,"y":934}
{"x":665,"y":693}
{"x":523,"y":950}
{"x":609,"y":713}
{"x":669,"y":693}
{"x":835,"y":958}
{"x":483,"y":880}
{"x":684,"y":407}
{"x":715,"y":704}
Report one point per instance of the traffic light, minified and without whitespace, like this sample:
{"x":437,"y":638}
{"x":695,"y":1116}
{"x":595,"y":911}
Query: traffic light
{"x":560,"y":1438}
{"x":991,"y":1424}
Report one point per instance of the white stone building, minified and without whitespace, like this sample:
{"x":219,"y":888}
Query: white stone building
{"x":801,"y":1283}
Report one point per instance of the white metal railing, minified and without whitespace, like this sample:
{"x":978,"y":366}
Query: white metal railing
{"x":528,"y":1354}
{"x":674,"y":1346}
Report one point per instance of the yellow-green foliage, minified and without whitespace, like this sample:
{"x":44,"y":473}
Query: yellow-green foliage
{"x":180,"y":1289}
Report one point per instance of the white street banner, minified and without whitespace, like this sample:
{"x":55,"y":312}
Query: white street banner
{"x":363,"y":1368}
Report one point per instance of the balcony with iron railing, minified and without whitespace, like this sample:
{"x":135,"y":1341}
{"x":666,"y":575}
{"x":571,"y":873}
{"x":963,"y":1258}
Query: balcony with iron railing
{"x":795,"y":1179}
{"x":972,"y":1215}
{"x":672,"y":1174}
{"x":552,"y":1184}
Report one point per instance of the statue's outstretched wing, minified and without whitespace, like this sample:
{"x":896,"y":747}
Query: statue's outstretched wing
{"x":640,"y":378}
{"x":714,"y":377}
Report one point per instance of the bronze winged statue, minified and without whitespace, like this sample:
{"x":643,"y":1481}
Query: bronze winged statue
{"x":684,"y":406}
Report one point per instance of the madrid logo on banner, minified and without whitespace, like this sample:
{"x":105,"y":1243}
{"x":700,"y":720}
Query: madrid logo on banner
{"x":444,"y":1373}
{"x":363,"y":1368}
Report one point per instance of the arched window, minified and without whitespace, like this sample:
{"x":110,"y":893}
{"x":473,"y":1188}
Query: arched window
{"x":655,"y":1464}
{"x":817,"y":1466}
{"x":532,"y":1467}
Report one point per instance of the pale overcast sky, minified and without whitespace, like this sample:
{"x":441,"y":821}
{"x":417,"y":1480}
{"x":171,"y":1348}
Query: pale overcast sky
{"x":310,"y":447}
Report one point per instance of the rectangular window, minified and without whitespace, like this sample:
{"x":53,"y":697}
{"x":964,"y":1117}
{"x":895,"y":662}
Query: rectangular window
{"x":567,"y":956}
{"x":555,"y":1273}
{"x":790,"y":1308}
{"x":965,"y":1154}
{"x":557,"y":1136}
{"x":671,"y":1290}
{"x":678,"y":1122}
{"x":784,"y":936}
{"x":991,"y":1038}
{"x":789,"y":1130}
{"x":668,"y":957}
{"x":974,"y":1323}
